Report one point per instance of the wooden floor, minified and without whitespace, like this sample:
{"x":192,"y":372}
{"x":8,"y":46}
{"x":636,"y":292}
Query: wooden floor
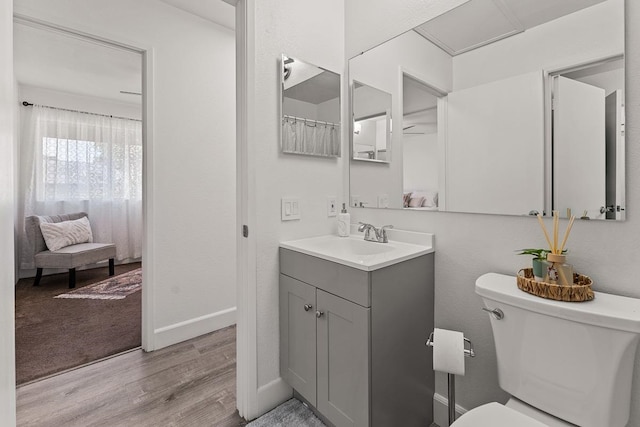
{"x":188,"y":384}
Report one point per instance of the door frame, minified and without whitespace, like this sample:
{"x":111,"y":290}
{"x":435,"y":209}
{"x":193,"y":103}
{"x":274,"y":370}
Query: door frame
{"x":147,"y":55}
{"x":247,"y":401}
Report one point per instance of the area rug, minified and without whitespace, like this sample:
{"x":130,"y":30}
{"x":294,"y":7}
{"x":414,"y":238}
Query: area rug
{"x":116,"y":287}
{"x":291,"y":413}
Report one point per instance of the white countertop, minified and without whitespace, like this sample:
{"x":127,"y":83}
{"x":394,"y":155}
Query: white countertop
{"x":354,"y":251}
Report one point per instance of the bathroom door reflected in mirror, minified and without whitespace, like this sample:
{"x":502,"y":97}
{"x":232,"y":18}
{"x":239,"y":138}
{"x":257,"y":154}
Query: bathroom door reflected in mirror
{"x":587,"y":109}
{"x":310,"y":109}
{"x":496,"y":149}
{"x":371,"y":123}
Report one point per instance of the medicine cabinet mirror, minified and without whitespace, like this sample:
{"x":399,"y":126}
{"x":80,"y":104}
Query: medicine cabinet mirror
{"x":511,"y":107}
{"x":371,"y":123}
{"x":310,"y":109}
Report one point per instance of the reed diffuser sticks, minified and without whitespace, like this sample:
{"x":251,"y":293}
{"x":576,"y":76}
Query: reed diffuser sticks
{"x":553,"y":246}
{"x":557,"y":268}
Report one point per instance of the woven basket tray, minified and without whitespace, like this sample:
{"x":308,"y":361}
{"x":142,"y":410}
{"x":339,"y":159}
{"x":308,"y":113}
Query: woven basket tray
{"x":578,"y":292}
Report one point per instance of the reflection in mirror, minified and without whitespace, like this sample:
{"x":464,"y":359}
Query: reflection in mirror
{"x":588,"y":109}
{"x":371,"y":123}
{"x":310,"y":109}
{"x":420,"y":139}
{"x":496,"y":147}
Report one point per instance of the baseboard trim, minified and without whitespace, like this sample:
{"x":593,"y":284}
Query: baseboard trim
{"x":271,"y":395}
{"x":182,"y":331}
{"x":441,"y":410}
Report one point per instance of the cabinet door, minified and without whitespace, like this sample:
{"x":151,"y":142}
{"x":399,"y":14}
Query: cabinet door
{"x":298,"y":336}
{"x":343,"y":360}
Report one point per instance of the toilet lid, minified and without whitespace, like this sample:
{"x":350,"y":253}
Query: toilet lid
{"x":495,"y":415}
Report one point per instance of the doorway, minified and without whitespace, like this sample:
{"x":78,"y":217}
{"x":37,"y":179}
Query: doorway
{"x":81,"y":150}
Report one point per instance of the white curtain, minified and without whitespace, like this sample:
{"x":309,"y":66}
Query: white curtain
{"x":81,"y":162}
{"x":310,"y":137}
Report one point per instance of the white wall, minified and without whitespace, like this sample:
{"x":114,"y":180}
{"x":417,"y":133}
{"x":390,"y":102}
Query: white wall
{"x":7,"y":206}
{"x":191,"y":178}
{"x":420,"y":168}
{"x":314,"y":32}
{"x":469,"y":245}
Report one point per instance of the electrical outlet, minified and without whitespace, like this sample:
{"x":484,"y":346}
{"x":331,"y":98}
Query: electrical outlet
{"x":332,"y":206}
{"x":355,"y":201}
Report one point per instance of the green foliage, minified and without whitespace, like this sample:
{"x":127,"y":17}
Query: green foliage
{"x":537,"y":253}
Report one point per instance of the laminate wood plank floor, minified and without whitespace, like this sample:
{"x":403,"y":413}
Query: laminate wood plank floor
{"x":187,"y":384}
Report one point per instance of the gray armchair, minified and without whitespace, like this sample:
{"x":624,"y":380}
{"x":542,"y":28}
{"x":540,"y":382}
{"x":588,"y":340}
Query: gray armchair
{"x":68,"y":257}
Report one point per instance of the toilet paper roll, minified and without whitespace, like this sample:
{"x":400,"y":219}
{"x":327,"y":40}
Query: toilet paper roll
{"x":448,"y":351}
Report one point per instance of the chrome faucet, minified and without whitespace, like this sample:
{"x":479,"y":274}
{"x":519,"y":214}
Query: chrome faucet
{"x":379,"y":235}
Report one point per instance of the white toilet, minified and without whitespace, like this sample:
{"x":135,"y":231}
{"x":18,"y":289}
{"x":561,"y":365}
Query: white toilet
{"x":563,"y":363}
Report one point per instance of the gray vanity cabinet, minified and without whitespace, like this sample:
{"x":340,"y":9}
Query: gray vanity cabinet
{"x":343,"y":360}
{"x":298,"y":336}
{"x":324,"y":351}
{"x":352,"y":342}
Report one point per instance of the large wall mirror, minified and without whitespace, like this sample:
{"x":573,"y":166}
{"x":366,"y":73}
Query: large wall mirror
{"x":310,"y":109}
{"x":511,"y":107}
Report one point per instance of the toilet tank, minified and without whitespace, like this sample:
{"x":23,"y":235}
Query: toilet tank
{"x":573,"y":360}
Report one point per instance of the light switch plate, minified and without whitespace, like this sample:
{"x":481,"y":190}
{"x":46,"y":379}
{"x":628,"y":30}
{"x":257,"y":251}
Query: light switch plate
{"x":290,"y":209}
{"x":355,"y":201}
{"x":332,"y":206}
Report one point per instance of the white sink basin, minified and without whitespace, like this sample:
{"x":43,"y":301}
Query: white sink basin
{"x":355,"y":252}
{"x":350,"y":246}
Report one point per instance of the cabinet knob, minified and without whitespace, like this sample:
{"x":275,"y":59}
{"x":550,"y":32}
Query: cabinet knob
{"x":319,"y":314}
{"x":307,"y":307}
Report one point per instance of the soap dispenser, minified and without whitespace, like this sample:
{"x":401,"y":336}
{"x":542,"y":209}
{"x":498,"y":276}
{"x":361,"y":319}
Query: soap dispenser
{"x":344,"y":222}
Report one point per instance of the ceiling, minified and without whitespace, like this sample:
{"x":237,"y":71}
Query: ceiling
{"x":59,"y":61}
{"x":317,"y":89}
{"x":479,"y":22}
{"x":216,"y":11}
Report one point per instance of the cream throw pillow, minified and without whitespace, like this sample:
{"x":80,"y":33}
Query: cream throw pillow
{"x":57,"y":235}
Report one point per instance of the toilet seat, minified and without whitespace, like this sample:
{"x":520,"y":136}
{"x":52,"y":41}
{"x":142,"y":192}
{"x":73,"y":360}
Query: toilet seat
{"x":495,"y":415}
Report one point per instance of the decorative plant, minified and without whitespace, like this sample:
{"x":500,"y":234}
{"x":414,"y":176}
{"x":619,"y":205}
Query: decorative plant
{"x":539,"y":257}
{"x":537,"y":253}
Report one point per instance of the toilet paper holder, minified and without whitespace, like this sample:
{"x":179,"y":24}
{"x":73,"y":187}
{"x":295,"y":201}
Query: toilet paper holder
{"x":451,"y":379}
{"x":468,"y":352}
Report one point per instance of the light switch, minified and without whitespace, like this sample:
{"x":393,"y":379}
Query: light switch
{"x":290,"y":209}
{"x":355,"y":201}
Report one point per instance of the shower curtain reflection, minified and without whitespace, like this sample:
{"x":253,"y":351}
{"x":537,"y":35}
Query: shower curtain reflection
{"x":304,"y":136}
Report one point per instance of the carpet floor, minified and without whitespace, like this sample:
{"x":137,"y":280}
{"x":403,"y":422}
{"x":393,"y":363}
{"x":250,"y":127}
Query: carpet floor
{"x":54,"y":334}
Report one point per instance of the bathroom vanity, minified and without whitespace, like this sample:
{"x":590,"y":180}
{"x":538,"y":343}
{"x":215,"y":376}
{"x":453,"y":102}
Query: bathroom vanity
{"x":354,"y":318}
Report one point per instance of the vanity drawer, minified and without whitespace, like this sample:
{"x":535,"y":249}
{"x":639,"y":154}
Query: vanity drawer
{"x":346,"y":282}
